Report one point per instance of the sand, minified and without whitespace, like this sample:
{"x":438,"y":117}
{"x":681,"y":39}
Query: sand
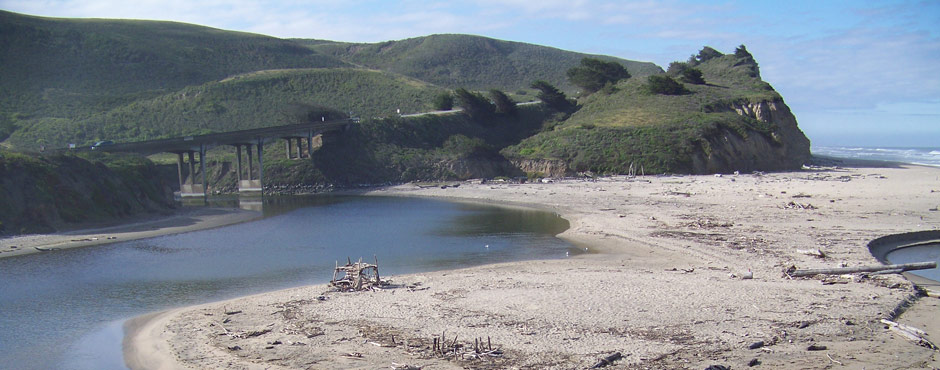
{"x":182,"y":220}
{"x":663,"y":285}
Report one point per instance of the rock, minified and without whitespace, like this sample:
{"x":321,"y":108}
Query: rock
{"x":814,"y":347}
{"x":756,"y":345}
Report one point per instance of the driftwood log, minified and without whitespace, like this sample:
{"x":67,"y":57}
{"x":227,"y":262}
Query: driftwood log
{"x":852,"y":270}
{"x":607,"y":360}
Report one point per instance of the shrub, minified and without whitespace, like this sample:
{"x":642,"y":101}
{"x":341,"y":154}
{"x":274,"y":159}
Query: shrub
{"x":504,"y":105}
{"x":593,"y":74}
{"x":552,"y":98}
{"x":475,"y":105}
{"x":665,"y":85}
{"x":443,"y":101}
{"x":693,"y":76}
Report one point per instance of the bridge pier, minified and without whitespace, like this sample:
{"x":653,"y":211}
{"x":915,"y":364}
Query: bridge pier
{"x":191,"y":189}
{"x":289,"y":146}
{"x":248,"y":183}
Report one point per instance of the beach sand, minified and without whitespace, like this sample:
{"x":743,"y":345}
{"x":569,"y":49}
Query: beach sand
{"x":184,"y":219}
{"x":663,"y":286}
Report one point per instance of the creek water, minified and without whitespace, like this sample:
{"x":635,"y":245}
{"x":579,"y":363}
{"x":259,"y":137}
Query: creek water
{"x":65,"y":310}
{"x":918,"y":253}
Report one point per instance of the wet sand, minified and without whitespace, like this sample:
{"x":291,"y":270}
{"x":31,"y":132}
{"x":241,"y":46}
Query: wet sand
{"x":664,"y":285}
{"x":182,"y":220}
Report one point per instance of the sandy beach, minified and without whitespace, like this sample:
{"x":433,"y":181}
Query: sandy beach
{"x":181,"y":220}
{"x":664,"y":286}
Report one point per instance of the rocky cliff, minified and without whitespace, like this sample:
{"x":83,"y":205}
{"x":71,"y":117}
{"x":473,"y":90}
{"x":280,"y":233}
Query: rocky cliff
{"x":785,"y":147}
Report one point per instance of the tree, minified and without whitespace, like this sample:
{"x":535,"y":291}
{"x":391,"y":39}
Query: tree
{"x":444,"y":101}
{"x":552,"y":98}
{"x":705,"y":54}
{"x":693,"y":76}
{"x":676,"y":68}
{"x":504,"y":105}
{"x":593,"y":74}
{"x":475,"y":105}
{"x":665,"y":85}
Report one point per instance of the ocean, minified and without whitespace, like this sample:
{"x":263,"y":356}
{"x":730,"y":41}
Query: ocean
{"x":921,"y":156}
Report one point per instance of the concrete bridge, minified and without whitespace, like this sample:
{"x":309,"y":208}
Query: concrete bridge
{"x":251,"y":140}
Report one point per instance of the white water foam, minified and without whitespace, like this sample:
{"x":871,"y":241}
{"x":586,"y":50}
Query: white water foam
{"x":920,"y":156}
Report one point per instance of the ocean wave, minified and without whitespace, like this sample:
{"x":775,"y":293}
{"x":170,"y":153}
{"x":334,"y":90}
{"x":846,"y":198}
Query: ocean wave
{"x":919,"y":156}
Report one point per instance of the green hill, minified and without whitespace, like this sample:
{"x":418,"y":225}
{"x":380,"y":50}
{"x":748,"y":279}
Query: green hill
{"x":259,"y":99}
{"x":735,"y":121}
{"x":73,"y":68}
{"x":468,"y":61}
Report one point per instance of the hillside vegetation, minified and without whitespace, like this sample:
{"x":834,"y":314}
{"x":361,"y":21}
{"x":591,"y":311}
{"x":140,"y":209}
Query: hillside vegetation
{"x":46,"y":193}
{"x":470,"y":61}
{"x":627,"y":126}
{"x":80,"y":80}
{"x":72,"y":68}
{"x":259,"y":99}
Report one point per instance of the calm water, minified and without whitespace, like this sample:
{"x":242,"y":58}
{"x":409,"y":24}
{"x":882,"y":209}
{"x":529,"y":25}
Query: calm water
{"x":64,"y":310}
{"x":919,"y":253}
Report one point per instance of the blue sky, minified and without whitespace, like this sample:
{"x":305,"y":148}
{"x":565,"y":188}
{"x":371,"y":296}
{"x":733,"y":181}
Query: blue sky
{"x":853,"y":72}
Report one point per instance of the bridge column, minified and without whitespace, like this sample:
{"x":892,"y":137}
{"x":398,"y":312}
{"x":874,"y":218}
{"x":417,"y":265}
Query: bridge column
{"x":250,"y":165}
{"x":192,"y":168}
{"x":238,"y":157}
{"x":202,"y":167}
{"x":179,"y":170}
{"x":289,"y":149}
{"x":300,"y":148}
{"x":261,"y":164}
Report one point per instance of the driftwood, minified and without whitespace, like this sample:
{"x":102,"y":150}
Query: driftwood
{"x":607,"y":360}
{"x":852,"y":270}
{"x":911,"y":333}
{"x":356,"y":276}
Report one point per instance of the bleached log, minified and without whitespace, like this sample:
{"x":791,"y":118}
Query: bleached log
{"x":852,"y":270}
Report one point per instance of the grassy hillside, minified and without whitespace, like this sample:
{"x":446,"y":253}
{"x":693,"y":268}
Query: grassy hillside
{"x":630,"y":125}
{"x":47,"y":193}
{"x":266,"y":98}
{"x":72,"y":68}
{"x":469,"y":61}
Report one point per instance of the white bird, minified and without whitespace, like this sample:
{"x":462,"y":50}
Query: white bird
{"x":487,"y":246}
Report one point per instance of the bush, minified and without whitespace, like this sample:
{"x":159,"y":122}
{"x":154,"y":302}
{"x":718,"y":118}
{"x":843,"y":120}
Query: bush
{"x":593,"y":74}
{"x":475,"y":105}
{"x":665,"y":85}
{"x":444,"y":101}
{"x":693,"y":76}
{"x":552,"y":98}
{"x":504,"y":105}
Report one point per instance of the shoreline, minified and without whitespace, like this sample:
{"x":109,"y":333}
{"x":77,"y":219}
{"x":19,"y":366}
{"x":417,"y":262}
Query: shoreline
{"x":664,"y":289}
{"x":181,"y":220}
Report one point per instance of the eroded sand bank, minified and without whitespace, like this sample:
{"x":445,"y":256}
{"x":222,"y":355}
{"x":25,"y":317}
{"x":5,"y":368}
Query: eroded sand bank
{"x":180,"y":221}
{"x":664,"y":287}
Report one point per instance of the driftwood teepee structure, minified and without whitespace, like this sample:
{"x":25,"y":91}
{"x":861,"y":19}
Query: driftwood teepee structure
{"x":356,"y":276}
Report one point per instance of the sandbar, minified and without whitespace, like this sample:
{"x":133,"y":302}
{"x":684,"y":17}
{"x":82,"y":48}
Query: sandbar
{"x":181,"y":220}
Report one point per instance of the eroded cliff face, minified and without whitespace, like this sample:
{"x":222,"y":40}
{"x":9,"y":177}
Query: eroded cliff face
{"x":785,"y":148}
{"x":545,"y":167}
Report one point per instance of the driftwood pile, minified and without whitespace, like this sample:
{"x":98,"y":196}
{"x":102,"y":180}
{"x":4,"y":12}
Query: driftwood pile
{"x":446,"y":348}
{"x":356,"y":276}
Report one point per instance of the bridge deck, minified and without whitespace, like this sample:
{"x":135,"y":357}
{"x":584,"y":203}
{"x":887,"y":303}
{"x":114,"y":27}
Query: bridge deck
{"x":251,"y":136}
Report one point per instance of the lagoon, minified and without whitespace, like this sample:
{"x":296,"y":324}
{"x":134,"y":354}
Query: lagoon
{"x":65,"y":309}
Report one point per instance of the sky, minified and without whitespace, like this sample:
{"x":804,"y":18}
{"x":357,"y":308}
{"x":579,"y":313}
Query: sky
{"x":855,"y":73}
